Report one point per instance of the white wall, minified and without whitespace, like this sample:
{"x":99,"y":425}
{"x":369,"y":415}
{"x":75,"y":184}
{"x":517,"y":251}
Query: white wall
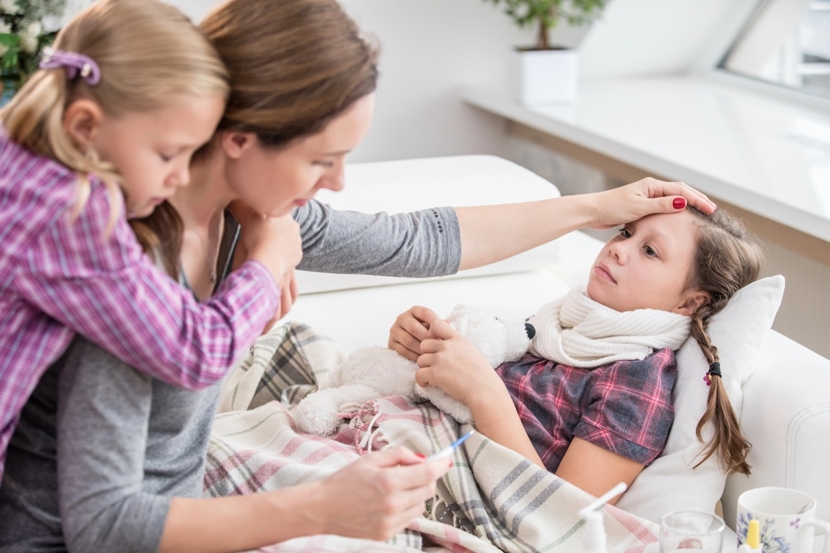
{"x":430,"y":48}
{"x":433,"y":47}
{"x":648,"y":37}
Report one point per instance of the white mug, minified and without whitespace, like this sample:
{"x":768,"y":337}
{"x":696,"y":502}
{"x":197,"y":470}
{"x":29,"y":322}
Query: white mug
{"x":787,"y":519}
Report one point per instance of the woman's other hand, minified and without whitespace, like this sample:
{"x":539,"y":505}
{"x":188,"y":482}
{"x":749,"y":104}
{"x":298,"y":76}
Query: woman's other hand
{"x":377,"y":496}
{"x":410,"y":329}
{"x":646,"y":197}
{"x":452,"y":363}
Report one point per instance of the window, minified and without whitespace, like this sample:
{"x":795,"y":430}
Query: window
{"x":785,"y":42}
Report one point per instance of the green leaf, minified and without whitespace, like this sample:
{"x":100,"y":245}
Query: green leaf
{"x":9,"y":39}
{"x":10,"y":58}
{"x":549,"y":12}
{"x":15,"y":64}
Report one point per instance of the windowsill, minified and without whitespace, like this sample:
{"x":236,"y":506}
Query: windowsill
{"x":785,"y":94}
{"x":766,"y":155}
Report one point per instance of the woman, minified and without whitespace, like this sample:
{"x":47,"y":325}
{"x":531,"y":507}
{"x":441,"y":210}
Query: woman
{"x":130,"y":449}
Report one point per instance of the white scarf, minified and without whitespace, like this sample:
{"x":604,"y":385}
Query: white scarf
{"x":577,"y":331}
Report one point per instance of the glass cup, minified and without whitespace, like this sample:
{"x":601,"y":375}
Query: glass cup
{"x":688,"y":531}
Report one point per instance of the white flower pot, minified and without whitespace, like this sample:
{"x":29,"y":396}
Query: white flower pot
{"x":543,"y":77}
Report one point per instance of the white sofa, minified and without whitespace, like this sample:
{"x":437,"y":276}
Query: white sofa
{"x":786,"y":411}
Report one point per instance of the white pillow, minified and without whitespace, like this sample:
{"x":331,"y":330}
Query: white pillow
{"x":670,"y":483}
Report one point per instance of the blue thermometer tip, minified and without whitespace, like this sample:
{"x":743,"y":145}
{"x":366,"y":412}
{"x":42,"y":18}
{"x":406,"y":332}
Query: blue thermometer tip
{"x":447,"y":451}
{"x":462,"y":439}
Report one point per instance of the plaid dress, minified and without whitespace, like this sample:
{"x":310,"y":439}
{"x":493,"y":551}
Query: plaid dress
{"x":625,"y":407}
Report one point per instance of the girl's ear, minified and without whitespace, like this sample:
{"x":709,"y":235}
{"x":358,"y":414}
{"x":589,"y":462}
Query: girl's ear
{"x":82,"y":119}
{"x":236,"y":143}
{"x":693,"y":300}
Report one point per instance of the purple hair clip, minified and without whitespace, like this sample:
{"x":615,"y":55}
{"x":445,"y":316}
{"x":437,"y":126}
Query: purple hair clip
{"x":74,"y":63}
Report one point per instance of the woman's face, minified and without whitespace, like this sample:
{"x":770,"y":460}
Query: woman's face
{"x":647,"y":266}
{"x":275,"y":181}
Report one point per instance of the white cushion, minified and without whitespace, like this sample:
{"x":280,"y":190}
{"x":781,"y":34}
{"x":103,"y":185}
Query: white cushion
{"x":671,"y":483}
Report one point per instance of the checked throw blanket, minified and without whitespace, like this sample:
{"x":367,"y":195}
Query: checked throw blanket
{"x":491,"y":500}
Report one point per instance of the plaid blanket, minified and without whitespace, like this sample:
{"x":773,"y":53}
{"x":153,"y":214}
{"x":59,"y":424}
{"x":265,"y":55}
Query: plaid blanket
{"x":491,"y":500}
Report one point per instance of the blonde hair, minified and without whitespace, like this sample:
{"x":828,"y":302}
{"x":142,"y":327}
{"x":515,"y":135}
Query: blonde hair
{"x":146,"y":50}
{"x":726,"y":260}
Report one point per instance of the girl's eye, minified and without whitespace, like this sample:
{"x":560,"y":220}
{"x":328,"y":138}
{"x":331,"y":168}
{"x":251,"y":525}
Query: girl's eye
{"x":326,"y":164}
{"x":166,"y":158}
{"x":650,"y":251}
{"x":624,"y":233}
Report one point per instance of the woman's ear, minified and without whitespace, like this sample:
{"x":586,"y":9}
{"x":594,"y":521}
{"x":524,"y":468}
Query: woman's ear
{"x":693,"y":300}
{"x":82,"y":120}
{"x":236,"y":143}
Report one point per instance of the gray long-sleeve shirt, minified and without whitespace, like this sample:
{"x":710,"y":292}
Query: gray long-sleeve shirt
{"x":101,"y":448}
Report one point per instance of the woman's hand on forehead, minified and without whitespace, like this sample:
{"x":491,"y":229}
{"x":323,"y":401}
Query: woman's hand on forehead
{"x":646,"y":197}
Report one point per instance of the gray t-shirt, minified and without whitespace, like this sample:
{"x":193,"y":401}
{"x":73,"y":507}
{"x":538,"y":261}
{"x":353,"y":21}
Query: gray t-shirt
{"x":128,"y":443}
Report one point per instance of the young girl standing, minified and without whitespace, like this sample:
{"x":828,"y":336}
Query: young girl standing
{"x":109,"y":125}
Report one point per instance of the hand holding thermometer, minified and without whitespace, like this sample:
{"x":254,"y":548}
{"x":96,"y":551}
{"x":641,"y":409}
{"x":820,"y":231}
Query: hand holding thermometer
{"x":447,"y":452}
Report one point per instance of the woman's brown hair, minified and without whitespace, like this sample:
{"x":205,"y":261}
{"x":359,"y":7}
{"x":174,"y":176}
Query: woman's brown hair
{"x":726,"y":260}
{"x":295,"y":65}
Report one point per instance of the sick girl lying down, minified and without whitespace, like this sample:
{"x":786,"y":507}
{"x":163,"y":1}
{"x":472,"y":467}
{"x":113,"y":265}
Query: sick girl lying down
{"x":592,"y":400}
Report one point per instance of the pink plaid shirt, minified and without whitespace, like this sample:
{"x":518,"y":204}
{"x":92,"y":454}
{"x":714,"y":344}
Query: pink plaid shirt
{"x":60,"y":277}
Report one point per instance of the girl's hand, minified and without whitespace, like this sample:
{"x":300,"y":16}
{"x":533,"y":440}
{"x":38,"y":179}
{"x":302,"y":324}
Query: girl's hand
{"x":453,"y":364}
{"x":645,"y":197}
{"x":377,"y":496}
{"x":273,"y":241}
{"x":409,"y":330}
{"x":450,"y":362}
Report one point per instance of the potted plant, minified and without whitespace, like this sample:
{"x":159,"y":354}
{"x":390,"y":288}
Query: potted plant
{"x":22,"y":40}
{"x":545,"y":74}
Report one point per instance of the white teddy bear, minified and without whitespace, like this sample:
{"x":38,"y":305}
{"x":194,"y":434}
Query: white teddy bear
{"x":374,"y":372}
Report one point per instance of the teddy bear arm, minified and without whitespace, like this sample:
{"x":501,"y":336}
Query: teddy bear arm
{"x":319,"y":413}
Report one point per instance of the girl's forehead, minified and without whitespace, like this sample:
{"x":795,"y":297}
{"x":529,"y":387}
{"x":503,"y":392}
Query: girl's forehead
{"x":668,"y":223}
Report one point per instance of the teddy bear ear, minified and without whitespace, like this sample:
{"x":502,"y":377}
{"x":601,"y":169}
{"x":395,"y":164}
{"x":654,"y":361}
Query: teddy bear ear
{"x":456,"y":312}
{"x":460,"y":322}
{"x":459,"y":317}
